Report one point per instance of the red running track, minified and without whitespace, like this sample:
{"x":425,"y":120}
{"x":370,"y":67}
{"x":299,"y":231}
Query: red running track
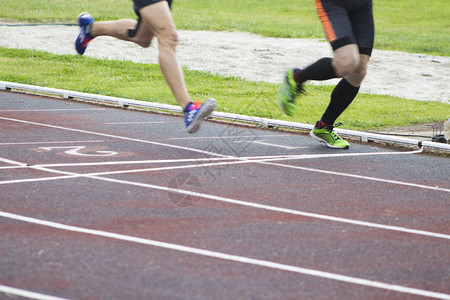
{"x":105,"y":203}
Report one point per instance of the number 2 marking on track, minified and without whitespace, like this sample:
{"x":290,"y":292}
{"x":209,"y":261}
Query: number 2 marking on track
{"x":75,"y":150}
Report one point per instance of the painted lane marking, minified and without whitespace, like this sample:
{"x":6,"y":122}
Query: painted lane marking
{"x":243,"y":158}
{"x":236,"y":202}
{"x":54,"y":109}
{"x":265,"y":143}
{"x":143,"y":162}
{"x":41,"y":143}
{"x":230,"y":257}
{"x":256,"y":159}
{"x":161,"y":161}
{"x":116,"y":137}
{"x":137,"y":123}
{"x":75,"y":150}
{"x":268,"y":161}
{"x":220,"y":137}
{"x":12,"y":162}
{"x":27,"y":294}
{"x":221,"y":155}
{"x":435,"y":188}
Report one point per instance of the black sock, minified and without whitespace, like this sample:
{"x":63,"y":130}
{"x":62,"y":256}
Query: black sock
{"x":341,"y":97}
{"x":320,"y":70}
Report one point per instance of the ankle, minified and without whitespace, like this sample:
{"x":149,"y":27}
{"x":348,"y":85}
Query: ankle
{"x":321,"y":124}
{"x":297,"y":77}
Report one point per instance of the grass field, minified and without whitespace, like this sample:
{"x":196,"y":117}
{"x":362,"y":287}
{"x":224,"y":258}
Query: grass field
{"x":407,"y":25}
{"x":145,"y":82}
{"x":422,"y":27}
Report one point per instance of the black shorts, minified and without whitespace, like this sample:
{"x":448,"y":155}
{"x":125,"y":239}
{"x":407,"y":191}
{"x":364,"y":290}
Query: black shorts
{"x":138,"y":4}
{"x":348,"y":22}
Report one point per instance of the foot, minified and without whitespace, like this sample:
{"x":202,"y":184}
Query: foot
{"x":329,"y":137}
{"x":197,"y":112}
{"x":287,"y":93}
{"x":85,"y":21}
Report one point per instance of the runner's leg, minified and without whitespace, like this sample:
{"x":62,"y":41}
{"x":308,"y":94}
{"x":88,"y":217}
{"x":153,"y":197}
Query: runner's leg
{"x":158,"y":18}
{"x":120,"y":29}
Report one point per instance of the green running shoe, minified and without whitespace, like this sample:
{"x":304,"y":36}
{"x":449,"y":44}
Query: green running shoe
{"x":287,"y":93}
{"x":329,"y":137}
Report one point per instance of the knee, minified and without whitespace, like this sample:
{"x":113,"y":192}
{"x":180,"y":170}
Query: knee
{"x":357,"y":76}
{"x":360,"y":72}
{"x":346,"y":64}
{"x":168,"y":37}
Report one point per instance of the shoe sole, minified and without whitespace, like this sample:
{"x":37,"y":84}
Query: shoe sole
{"x":207,"y":109}
{"x":315,"y":137}
{"x":281,"y":90}
{"x":280,"y":103}
{"x":81,"y":49}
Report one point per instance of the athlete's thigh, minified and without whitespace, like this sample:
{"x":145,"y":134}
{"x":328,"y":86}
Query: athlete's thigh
{"x":336,"y":22}
{"x":363,"y":24}
{"x":158,"y":18}
{"x":142,"y":31}
{"x":138,"y":4}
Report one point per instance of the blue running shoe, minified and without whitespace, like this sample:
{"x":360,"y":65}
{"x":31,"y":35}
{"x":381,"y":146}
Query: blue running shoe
{"x":197,"y":112}
{"x":85,"y":21}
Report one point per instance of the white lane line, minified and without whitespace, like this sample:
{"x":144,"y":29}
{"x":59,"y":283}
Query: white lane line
{"x":116,"y":137}
{"x":280,"y":209}
{"x":12,"y":162}
{"x":61,"y":142}
{"x":162,"y":161}
{"x":236,"y":137}
{"x":238,"y":202}
{"x":240,"y":160}
{"x":435,"y":188}
{"x":131,"y":162}
{"x":265,"y":143}
{"x":136,"y":123}
{"x":143,"y":162}
{"x":27,"y":294}
{"x":230,"y":257}
{"x":55,"y":109}
{"x":255,"y":159}
{"x":228,"y":156}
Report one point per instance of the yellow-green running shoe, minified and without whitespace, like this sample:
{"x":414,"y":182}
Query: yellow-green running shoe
{"x":329,"y":137}
{"x":287,"y":93}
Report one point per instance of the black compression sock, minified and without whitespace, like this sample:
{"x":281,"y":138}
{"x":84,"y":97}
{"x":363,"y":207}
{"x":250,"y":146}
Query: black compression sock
{"x":320,"y":70}
{"x":341,"y":97}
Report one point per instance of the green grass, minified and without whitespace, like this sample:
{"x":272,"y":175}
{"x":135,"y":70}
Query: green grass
{"x":405,"y":25}
{"x":415,"y":26}
{"x":145,"y":82}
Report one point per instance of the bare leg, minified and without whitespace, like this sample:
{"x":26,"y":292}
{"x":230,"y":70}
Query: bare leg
{"x":158,"y":19}
{"x":346,"y":59}
{"x":119,"y":29}
{"x":357,"y":76}
{"x":345,"y":91}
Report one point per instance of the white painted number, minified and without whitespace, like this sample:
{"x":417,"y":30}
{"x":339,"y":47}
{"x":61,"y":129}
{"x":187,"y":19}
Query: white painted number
{"x":75,"y":150}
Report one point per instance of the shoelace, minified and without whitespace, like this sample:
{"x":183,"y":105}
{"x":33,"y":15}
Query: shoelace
{"x":190,"y":114}
{"x":332,"y":132}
